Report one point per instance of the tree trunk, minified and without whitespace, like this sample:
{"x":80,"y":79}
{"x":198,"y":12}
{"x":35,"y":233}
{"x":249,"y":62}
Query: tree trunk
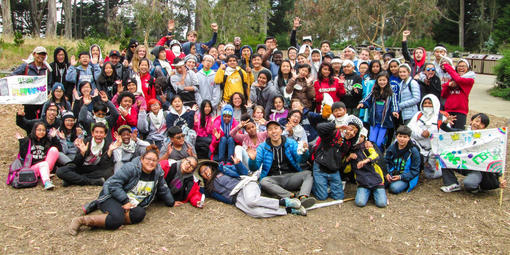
{"x":36,"y":23}
{"x":6,"y":18}
{"x":75,"y":18}
{"x":461,"y":24}
{"x":107,"y":15}
{"x":68,"y":19}
{"x":51,"y":24}
{"x":198,"y":9}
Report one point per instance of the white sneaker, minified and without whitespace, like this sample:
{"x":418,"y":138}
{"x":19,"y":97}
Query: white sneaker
{"x":343,"y":185}
{"x":451,"y":188}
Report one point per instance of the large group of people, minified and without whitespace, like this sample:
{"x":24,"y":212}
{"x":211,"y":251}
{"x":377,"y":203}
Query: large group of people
{"x":268,"y":132}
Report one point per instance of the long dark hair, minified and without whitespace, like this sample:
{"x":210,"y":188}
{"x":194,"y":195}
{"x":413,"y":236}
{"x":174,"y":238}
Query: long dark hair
{"x":63,"y":100}
{"x":209,"y":184}
{"x":372,"y":74}
{"x":45,"y":141}
{"x":331,"y":73}
{"x":71,"y":132}
{"x":281,"y":80}
{"x":105,"y":78}
{"x":243,"y":102}
{"x":202,"y":111}
{"x":387,"y":91}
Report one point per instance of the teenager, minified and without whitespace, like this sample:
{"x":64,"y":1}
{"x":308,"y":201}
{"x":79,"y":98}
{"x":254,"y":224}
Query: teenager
{"x":130,"y":148}
{"x":175,"y":148}
{"x":300,"y":87}
{"x":409,"y":94}
{"x":68,"y":132}
{"x":207,"y":89}
{"x":403,"y":163}
{"x":50,"y":119}
{"x":281,"y":172}
{"x":126,"y":194}
{"x":182,"y":116}
{"x":59,"y":68}
{"x":223,"y":144}
{"x":278,"y":110}
{"x":108,"y":81}
{"x":417,"y":63}
{"x":99,"y":114}
{"x":85,"y":71}
{"x":93,"y":164}
{"x":326,"y":83}
{"x":233,"y":78}
{"x":239,"y":105}
{"x":58,"y":98}
{"x":43,"y":147}
{"x":153,"y":123}
{"x":204,"y":127}
{"x":263,"y":91}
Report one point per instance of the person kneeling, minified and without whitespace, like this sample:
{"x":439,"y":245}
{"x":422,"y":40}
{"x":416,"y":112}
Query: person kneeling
{"x":127,"y":193}
{"x":403,"y":162}
{"x":94,"y":162}
{"x":130,"y":148}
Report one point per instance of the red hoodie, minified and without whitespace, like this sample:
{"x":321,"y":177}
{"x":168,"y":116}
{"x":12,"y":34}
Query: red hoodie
{"x":170,"y":56}
{"x":457,"y":98}
{"x":148,"y":93}
{"x":336,"y":91}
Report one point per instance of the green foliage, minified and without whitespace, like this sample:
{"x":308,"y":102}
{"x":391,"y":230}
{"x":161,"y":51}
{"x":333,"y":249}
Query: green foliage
{"x":18,"y":38}
{"x":84,"y":45}
{"x":500,"y":92}
{"x":283,"y":40}
{"x":501,"y":29}
{"x":278,"y":23}
{"x":503,"y":70}
{"x":341,"y":45}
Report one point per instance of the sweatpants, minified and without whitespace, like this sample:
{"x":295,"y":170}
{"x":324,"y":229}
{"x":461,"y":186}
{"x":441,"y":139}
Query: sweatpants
{"x":253,"y":204}
{"x":117,"y":215}
{"x":471,"y":182}
{"x":82,"y":175}
{"x":279,"y":185}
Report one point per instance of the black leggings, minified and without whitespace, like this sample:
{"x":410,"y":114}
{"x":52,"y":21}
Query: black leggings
{"x":116,"y":214}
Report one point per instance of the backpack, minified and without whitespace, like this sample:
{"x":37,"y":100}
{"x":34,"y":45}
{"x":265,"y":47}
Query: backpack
{"x":245,"y":85}
{"x":439,"y":118}
{"x":20,"y":174}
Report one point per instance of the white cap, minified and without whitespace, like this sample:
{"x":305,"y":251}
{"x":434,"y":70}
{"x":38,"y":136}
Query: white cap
{"x":40,"y":49}
{"x":308,"y":37}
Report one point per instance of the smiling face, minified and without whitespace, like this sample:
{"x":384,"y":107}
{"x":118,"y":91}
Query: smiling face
{"x":149,"y":162}
{"x":316,"y":57}
{"x":155,"y":108}
{"x":301,"y":59}
{"x":205,"y":172}
{"x":232,"y":63}
{"x":191,"y":64}
{"x":277,"y":59}
{"x":144,"y":67}
{"x":325,"y":71}
{"x":376,"y":67}
{"x":278,"y":103}
{"x":58,"y":94}
{"x":69,"y":123}
{"x":382,"y":81}
{"x":51,"y":112}
{"x":61,"y":56}
{"x":262,"y":79}
{"x":325,"y":48}
{"x":177,"y":104}
{"x":142,"y":52}
{"x":246,"y":52}
{"x":285,"y":67}
{"x":364,"y":55}
{"x":126,"y":102}
{"x":339,"y":112}
{"x":85,"y":89}
{"x":207,"y":63}
{"x":188,"y":165}
{"x":227,"y":118}
{"x":476,"y":124}
{"x":108,"y":70}
{"x":94,"y":51}
{"x":351,"y":132}
{"x":162,"y":55}
{"x":403,"y":73}
{"x":363,"y":68}
{"x":292,"y":54}
{"x":348,"y":69}
{"x":394,"y":68}
{"x":230,"y":50}
{"x":256,"y":62}
{"x":462,"y":68}
{"x":99,"y":134}
{"x":251,"y":129}
{"x":84,"y":60}
{"x":237,"y":101}
{"x":114,"y":59}
{"x":125,"y":136}
{"x":131,"y":87}
{"x":213,"y":52}
{"x":402,"y":140}
{"x":207,"y":109}
{"x":40,"y":131}
{"x":258,"y":113}
{"x":418,"y":53}
{"x":295,"y":118}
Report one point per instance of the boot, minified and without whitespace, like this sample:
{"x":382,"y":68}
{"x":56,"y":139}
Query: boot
{"x":89,"y":207}
{"x":91,"y":221}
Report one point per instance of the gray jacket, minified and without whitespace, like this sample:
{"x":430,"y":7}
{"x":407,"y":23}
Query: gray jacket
{"x":208,"y":89}
{"x":264,"y":96}
{"x":146,"y":127}
{"x":127,"y":178}
{"x":410,"y":96}
{"x":121,"y":157}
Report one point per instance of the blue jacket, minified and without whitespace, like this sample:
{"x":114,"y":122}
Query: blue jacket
{"x":127,"y":177}
{"x":407,"y":165}
{"x":410,"y":97}
{"x":265,"y":156}
{"x":91,"y":75}
{"x":390,"y":106}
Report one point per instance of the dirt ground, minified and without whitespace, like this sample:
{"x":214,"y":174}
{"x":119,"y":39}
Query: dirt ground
{"x":425,"y":221}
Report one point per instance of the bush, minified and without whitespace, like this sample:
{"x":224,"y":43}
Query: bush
{"x":503,"y":70}
{"x":84,"y":45}
{"x":18,"y":39}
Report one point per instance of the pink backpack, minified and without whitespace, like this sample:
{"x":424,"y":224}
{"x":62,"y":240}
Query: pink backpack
{"x":20,"y":174}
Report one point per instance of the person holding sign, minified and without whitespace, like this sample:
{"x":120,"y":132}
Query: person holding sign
{"x":35,"y":65}
{"x":475,"y":180}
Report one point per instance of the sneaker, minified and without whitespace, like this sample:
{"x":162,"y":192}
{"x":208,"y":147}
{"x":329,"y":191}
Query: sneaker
{"x":292,"y":203}
{"x":48,"y":185}
{"x":343,"y":185}
{"x":451,"y":188}
{"x":307,"y":202}
{"x":301,"y":211}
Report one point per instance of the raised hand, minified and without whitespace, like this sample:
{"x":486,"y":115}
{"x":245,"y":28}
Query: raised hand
{"x":134,"y":135}
{"x":73,"y":60}
{"x":53,"y":132}
{"x":217,"y":134}
{"x":296,"y":23}
{"x":61,"y":134}
{"x":125,"y":63}
{"x":214,"y":27}
{"x":103,"y":96}
{"x":190,"y":150}
{"x":405,"y":34}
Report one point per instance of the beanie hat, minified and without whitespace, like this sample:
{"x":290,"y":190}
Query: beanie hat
{"x":153,"y":101}
{"x":67,"y":115}
{"x":57,"y":85}
{"x":124,"y":128}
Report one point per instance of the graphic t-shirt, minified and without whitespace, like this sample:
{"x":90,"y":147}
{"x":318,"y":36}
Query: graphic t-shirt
{"x":142,"y":189}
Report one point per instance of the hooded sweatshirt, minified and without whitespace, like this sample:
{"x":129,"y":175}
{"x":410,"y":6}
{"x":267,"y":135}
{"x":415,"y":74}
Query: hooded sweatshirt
{"x":351,"y":97}
{"x":59,"y":70}
{"x":416,"y":66}
{"x":426,"y":120}
{"x":222,"y":127}
{"x":457,"y":98}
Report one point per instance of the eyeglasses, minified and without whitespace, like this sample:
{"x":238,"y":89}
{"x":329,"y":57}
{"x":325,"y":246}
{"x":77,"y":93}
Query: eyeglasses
{"x":431,"y":69}
{"x":133,"y":46}
{"x":151,"y":160}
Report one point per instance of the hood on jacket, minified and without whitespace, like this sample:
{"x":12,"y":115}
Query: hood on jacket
{"x":186,"y":47}
{"x":155,"y":52}
{"x":436,"y":105}
{"x":174,"y":42}
{"x":470,"y":75}
{"x":246,"y":46}
{"x":66,"y":58}
{"x":302,"y":49}
{"x":184,"y":110}
{"x":100,"y":51}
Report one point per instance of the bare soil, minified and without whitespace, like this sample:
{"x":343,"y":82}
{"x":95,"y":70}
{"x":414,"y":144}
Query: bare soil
{"x":425,"y":221}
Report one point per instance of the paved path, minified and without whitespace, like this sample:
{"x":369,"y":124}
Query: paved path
{"x":481,"y":101}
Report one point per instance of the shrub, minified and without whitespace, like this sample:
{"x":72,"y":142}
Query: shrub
{"x":18,"y":39}
{"x":503,"y":70}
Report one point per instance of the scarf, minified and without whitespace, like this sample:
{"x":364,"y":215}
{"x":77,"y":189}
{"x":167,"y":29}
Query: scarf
{"x":157,"y":120}
{"x":420,"y":63}
{"x":229,"y":70}
{"x":95,"y":148}
{"x":165,"y":65}
{"x":278,"y":111}
{"x":130,"y":147}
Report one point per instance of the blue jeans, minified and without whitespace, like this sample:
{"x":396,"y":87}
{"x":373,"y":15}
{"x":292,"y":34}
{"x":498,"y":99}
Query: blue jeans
{"x":321,"y":181}
{"x":398,"y":187}
{"x":228,"y":145}
{"x":363,"y":194}
{"x":377,"y":135}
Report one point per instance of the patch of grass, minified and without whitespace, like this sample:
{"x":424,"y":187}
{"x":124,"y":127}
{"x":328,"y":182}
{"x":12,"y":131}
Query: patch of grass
{"x":500,"y":92}
{"x":12,"y":55}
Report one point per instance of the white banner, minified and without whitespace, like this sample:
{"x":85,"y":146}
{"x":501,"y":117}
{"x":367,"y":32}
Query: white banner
{"x":480,"y":150}
{"x":22,"y":89}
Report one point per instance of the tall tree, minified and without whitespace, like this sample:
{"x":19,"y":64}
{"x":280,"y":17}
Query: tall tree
{"x":454,"y":11}
{"x":68,"y":15}
{"x":51,"y":23}
{"x":6,"y":18}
